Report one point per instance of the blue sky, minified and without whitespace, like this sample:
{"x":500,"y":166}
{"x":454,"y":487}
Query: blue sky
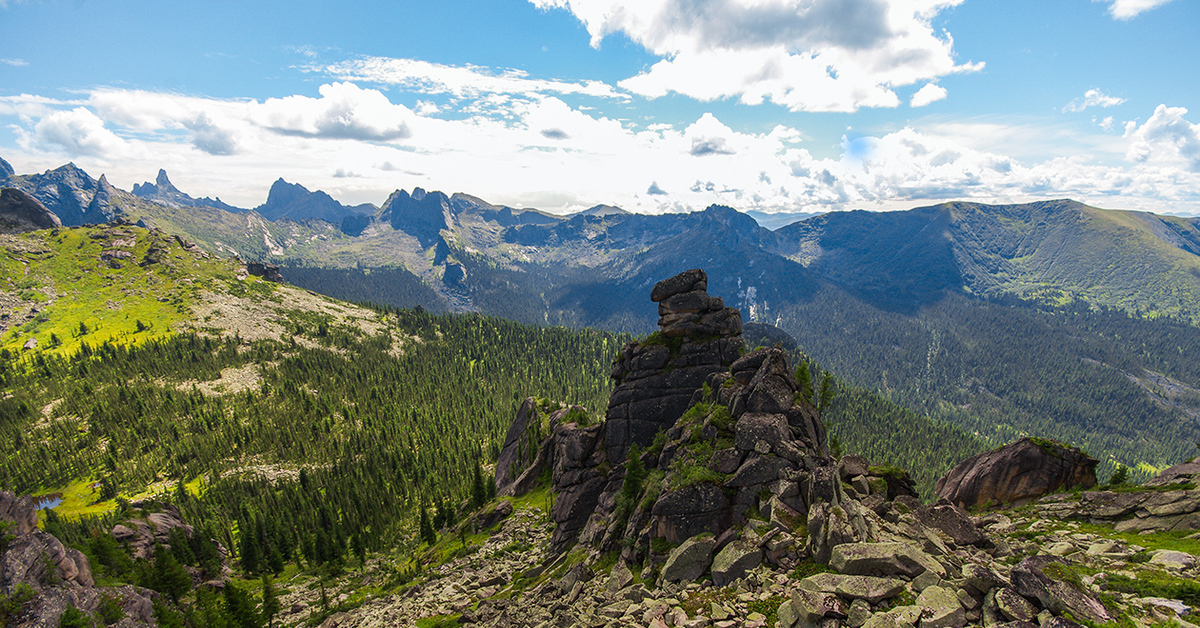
{"x":657,"y":105}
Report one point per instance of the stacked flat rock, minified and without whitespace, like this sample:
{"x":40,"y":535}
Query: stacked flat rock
{"x":686,"y":309}
{"x":656,"y":380}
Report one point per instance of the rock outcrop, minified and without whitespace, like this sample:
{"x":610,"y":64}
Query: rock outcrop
{"x":656,"y":378}
{"x":40,"y":577}
{"x":20,"y":212}
{"x":1016,"y":474}
{"x":270,"y":272}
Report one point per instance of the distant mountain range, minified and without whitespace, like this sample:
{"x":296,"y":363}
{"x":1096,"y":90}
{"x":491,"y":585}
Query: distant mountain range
{"x":1002,"y":319}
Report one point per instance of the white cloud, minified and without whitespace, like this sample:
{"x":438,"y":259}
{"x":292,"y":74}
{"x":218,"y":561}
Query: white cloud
{"x":16,"y":63}
{"x":1092,"y":98}
{"x":210,"y":137}
{"x":76,"y":132}
{"x":344,"y":111}
{"x":537,"y":150}
{"x":807,"y":55}
{"x":929,"y":94}
{"x":460,"y":81}
{"x":1165,"y":139}
{"x":1128,"y":9}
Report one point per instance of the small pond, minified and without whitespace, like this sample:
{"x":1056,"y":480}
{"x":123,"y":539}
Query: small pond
{"x":46,"y":502}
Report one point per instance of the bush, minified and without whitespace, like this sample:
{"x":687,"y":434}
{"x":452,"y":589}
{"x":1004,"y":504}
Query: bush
{"x":74,"y":618}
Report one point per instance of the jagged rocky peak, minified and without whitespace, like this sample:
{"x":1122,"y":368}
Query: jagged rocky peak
{"x":1016,"y":474}
{"x":657,"y":377}
{"x":6,"y":169}
{"x":20,"y":212}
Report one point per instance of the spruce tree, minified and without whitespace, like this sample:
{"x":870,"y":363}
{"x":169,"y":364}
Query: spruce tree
{"x":270,"y":600}
{"x":428,"y":534}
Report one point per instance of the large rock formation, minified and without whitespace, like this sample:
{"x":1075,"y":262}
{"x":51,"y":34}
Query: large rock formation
{"x":1016,"y":474}
{"x":656,"y":378}
{"x":40,"y":577}
{"x":20,"y":212}
{"x":722,"y":440}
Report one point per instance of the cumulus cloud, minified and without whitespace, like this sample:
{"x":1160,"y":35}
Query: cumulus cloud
{"x":1165,"y":139}
{"x":77,"y":132}
{"x":507,"y":151}
{"x":807,"y":55}
{"x":211,"y":137}
{"x":1092,"y":98}
{"x":344,"y":111}
{"x":929,"y":94}
{"x":1129,"y":9}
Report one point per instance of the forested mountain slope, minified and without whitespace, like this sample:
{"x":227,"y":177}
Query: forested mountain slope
{"x":992,"y":317}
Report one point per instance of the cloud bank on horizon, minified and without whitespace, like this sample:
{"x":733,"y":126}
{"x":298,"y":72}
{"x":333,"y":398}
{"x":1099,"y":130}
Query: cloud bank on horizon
{"x":727,"y":109}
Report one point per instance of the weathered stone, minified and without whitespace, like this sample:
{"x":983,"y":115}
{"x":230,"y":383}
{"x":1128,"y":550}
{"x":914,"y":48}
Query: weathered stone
{"x":620,"y":578}
{"x":520,"y":446}
{"x":953,"y":522}
{"x":981,"y":577}
{"x":1016,"y":474}
{"x":882,"y":559}
{"x":869,"y":588}
{"x":693,"y":510}
{"x":690,"y":560}
{"x":726,"y":460}
{"x":734,"y":560}
{"x":20,"y":212}
{"x":760,"y":470}
{"x":852,"y":465}
{"x":813,"y":606}
{"x":1014,"y":607}
{"x":1042,"y":578}
{"x":899,"y":617}
{"x":1173,"y":559}
{"x":753,"y":427}
{"x":942,"y":609}
{"x":687,"y":281}
{"x":859,"y":613}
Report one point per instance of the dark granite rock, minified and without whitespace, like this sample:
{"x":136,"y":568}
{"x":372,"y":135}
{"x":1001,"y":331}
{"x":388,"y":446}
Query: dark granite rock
{"x":20,"y":212}
{"x":1016,"y":474}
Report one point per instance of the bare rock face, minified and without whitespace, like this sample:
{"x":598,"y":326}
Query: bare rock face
{"x":270,"y":272}
{"x":19,"y":511}
{"x":20,"y":212}
{"x":698,"y":336}
{"x":1016,"y":474}
{"x":40,"y":577}
{"x":154,"y":529}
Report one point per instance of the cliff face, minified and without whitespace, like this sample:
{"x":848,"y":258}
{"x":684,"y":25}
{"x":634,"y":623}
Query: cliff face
{"x":20,"y":212}
{"x":40,"y":577}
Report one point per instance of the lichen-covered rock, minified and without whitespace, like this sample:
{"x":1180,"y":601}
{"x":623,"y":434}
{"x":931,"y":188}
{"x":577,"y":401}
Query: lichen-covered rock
{"x":1045,"y":579}
{"x":1016,"y":474}
{"x":941,"y":608}
{"x":870,"y":588}
{"x":882,"y":559}
{"x":690,"y":560}
{"x":734,"y":560}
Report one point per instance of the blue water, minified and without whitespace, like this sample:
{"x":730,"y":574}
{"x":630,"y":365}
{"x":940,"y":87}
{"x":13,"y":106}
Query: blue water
{"x":47,"y":502}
